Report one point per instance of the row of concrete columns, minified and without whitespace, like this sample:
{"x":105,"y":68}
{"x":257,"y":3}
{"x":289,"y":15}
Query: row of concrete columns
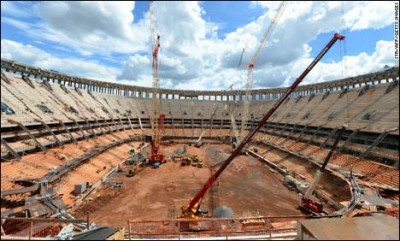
{"x":147,"y":94}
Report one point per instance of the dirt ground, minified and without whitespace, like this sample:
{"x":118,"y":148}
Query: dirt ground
{"x":246,"y":186}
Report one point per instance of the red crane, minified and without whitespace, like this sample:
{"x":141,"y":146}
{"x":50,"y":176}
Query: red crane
{"x":307,"y":205}
{"x":193,"y":209}
{"x":157,"y":121}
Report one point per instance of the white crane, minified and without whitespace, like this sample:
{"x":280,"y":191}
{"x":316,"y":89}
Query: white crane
{"x":250,"y":67}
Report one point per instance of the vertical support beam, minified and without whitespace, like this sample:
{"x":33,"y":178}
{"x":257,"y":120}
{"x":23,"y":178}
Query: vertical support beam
{"x":15,"y":154}
{"x":274,"y":129}
{"x":66,"y":129}
{"x":130,"y":123}
{"x":80,"y":128}
{"x":172,"y":119}
{"x":348,"y":140}
{"x":108,"y":125}
{"x":201,"y":124}
{"x":283,"y":128}
{"x":374,"y":144}
{"x":234,"y":128}
{"x":192,"y":120}
{"x":116,"y":124}
{"x":222,"y":121}
{"x":99,"y":126}
{"x":313,"y":136}
{"x":329,"y":137}
{"x":50,"y":131}
{"x":113,"y":126}
{"x":122,"y":123}
{"x":301,"y":133}
{"x":182,"y":121}
{"x":30,"y":230}
{"x":212,"y":120}
{"x":29,"y":134}
{"x":91,"y":128}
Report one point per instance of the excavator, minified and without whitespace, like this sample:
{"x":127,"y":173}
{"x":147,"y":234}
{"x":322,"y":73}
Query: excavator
{"x":307,"y":205}
{"x":193,"y":210}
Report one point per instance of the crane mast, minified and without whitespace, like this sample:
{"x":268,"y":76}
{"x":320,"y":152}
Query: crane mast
{"x":192,"y":209}
{"x":250,"y":67}
{"x":156,"y":122}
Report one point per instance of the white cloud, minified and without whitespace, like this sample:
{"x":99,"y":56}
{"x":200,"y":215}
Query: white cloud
{"x":182,"y":31}
{"x":31,"y":55}
{"x":136,"y":66}
{"x":191,"y":55}
{"x":370,"y":15}
{"x":357,"y":15}
{"x":350,"y":66}
{"x":89,"y":21}
{"x":87,"y":27}
{"x":11,"y":8}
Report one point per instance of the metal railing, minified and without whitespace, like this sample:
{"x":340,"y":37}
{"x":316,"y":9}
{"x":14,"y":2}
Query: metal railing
{"x":13,"y":228}
{"x":225,"y":228}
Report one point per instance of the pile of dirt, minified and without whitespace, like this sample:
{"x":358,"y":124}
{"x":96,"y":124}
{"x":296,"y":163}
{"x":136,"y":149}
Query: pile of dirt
{"x":48,"y":231}
{"x":100,"y":201}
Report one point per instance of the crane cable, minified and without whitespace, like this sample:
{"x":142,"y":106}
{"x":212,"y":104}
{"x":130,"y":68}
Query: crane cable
{"x":250,"y":68}
{"x":343,"y":54}
{"x":274,"y":9}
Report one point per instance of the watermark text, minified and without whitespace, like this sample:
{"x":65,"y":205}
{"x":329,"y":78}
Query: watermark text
{"x":396,"y":30}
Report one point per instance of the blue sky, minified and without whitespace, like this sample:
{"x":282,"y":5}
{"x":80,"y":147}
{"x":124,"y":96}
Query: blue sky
{"x":201,"y":42}
{"x":356,"y":41}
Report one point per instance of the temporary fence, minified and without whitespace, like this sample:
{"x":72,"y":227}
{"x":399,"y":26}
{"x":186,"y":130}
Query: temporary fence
{"x":207,"y":227}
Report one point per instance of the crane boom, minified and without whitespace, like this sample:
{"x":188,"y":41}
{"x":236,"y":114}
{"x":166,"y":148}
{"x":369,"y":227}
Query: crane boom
{"x":306,"y":204}
{"x":250,"y":67}
{"x":317,"y":176}
{"x":156,"y":121}
{"x":194,"y":204}
{"x":241,"y":57}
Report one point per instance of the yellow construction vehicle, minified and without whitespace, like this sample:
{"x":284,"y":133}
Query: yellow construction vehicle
{"x":132,"y":171}
{"x":185,"y":161}
{"x":195,"y":160}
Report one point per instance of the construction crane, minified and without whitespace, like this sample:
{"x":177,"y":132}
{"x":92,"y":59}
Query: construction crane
{"x":156,"y":121}
{"x":192,"y":211}
{"x":306,"y":204}
{"x":241,"y":57}
{"x":250,"y":67}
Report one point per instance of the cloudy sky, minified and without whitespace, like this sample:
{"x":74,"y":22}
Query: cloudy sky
{"x":201,"y":42}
